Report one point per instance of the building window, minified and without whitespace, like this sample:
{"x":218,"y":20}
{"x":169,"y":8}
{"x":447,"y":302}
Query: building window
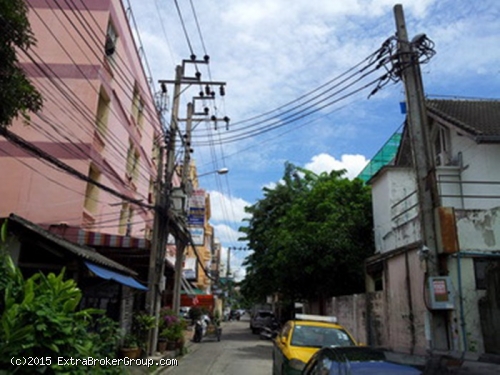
{"x":441,"y":146}
{"x":148,"y":233}
{"x":481,"y":266}
{"x":92,"y":191}
{"x":111,"y":40}
{"x":102,"y":113}
{"x":375,"y":274}
{"x":130,"y":217}
{"x":122,"y":226}
{"x":151,"y":191}
{"x":155,"y":151}
{"x":138,"y":108}
{"x":132,"y":167}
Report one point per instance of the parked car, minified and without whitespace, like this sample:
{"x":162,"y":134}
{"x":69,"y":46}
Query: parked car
{"x":300,"y":338}
{"x":357,"y":360}
{"x":260,"y":319}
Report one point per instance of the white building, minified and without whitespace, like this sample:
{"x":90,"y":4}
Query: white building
{"x":465,"y":143}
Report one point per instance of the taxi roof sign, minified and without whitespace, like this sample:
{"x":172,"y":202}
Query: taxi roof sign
{"x":316,"y":318}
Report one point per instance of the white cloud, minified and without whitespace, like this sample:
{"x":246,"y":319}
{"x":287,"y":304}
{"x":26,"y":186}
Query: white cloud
{"x":228,"y":209}
{"x":227,"y":234}
{"x":327,"y":163}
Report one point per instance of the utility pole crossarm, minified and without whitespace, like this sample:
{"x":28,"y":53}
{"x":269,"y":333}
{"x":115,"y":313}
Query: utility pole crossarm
{"x":193,"y":81}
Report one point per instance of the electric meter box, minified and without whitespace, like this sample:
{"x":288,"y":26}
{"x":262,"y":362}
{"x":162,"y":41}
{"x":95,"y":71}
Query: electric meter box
{"x":441,"y":293}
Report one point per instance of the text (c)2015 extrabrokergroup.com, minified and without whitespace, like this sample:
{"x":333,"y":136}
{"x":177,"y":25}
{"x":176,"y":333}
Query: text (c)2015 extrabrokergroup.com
{"x":90,"y":361}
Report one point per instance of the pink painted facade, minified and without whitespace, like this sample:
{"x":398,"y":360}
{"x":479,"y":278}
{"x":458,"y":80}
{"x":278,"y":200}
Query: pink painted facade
{"x":98,"y":118}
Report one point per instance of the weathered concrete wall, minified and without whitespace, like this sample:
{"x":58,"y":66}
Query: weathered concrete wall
{"x":394,"y":209}
{"x":351,"y":313}
{"x":399,"y":313}
{"x":478,"y":230}
{"x":466,"y":315}
{"x":377,"y":318}
{"x":393,"y":318}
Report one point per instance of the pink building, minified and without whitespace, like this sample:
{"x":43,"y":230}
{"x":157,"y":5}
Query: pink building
{"x":98,"y":118}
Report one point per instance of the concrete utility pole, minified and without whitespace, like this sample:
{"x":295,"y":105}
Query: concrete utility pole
{"x":180,"y":245}
{"x":423,"y":163}
{"x":160,"y":225}
{"x":164,"y":199}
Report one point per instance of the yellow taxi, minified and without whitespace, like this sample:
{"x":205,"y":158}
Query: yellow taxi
{"x":300,"y":338}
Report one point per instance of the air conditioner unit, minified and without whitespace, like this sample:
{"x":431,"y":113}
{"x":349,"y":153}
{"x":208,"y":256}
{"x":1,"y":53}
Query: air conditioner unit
{"x":443,"y":158}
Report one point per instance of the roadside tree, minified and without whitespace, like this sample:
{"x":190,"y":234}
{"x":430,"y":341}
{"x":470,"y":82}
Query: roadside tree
{"x":310,"y":235}
{"x":17,"y":95}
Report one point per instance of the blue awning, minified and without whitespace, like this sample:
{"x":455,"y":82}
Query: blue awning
{"x":118,"y":277}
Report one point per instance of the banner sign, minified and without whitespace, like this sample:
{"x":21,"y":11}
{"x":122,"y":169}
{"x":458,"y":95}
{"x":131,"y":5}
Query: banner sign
{"x":198,"y":235}
{"x":196,"y":211}
{"x":189,"y":267}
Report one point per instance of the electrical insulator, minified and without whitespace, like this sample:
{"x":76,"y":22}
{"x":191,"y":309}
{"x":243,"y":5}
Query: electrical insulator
{"x":163,"y":88}
{"x":222,"y":91}
{"x":197,"y":75}
{"x":226,"y":120}
{"x":206,"y":58}
{"x":206,"y":110}
{"x":202,"y":94}
{"x":214,"y":119}
{"x":193,"y":57}
{"x":207,"y":89}
{"x":212,"y":94}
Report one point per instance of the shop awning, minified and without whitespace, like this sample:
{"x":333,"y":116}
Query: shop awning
{"x":118,"y":277}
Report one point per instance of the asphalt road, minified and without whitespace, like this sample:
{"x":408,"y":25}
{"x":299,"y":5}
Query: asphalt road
{"x":238,"y":353}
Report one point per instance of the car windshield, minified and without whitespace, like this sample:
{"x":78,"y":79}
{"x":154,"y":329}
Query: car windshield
{"x":318,"y":337}
{"x":264,"y":314}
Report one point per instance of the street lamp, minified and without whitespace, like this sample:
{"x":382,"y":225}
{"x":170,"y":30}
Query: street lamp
{"x":218,"y":171}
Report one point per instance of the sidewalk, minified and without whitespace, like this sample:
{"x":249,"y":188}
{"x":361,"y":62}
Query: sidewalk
{"x":144,"y":370}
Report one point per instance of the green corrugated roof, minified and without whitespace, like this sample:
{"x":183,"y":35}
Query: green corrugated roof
{"x":383,"y":157}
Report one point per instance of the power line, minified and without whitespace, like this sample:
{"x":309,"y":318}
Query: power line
{"x":34,"y":150}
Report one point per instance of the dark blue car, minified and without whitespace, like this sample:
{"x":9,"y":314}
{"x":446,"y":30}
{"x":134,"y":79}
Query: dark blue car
{"x":356,"y":361}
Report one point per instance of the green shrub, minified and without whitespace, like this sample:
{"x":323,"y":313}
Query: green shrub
{"x":39,"y":318}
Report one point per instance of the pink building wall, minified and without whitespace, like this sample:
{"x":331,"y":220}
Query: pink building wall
{"x":401,"y":302}
{"x":70,"y":69}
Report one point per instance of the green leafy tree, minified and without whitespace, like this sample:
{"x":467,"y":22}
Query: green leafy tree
{"x":310,"y":236}
{"x":17,"y":94}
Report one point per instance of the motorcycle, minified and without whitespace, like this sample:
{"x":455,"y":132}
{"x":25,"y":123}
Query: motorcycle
{"x":200,"y":328}
{"x":204,"y":327}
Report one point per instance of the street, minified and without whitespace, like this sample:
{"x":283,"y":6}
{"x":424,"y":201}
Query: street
{"x":239,"y":352}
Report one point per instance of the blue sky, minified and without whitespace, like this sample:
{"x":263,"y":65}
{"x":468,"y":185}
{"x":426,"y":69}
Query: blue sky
{"x":271,"y":52}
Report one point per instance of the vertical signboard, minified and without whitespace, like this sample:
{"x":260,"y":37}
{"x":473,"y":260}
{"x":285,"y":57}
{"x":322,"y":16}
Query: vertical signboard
{"x":196,"y":210}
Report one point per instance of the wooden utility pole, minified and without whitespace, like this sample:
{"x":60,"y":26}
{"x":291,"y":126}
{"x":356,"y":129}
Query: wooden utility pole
{"x":423,"y":163}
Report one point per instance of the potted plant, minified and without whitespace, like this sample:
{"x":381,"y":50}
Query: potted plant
{"x":142,"y":324}
{"x":130,"y":346}
{"x":171,"y":329}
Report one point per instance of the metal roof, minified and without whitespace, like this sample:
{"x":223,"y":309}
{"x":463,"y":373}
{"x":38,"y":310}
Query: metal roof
{"x":80,"y":251}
